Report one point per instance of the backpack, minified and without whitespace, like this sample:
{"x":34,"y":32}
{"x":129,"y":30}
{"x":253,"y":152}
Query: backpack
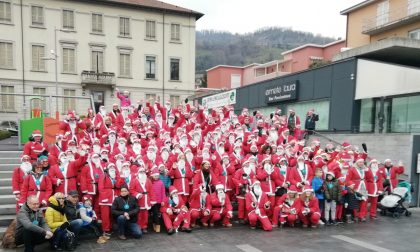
{"x":69,"y":241}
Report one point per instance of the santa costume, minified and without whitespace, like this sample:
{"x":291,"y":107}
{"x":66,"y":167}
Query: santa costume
{"x":221,"y":207}
{"x":309,"y":213}
{"x":175,"y":212}
{"x":257,"y":204}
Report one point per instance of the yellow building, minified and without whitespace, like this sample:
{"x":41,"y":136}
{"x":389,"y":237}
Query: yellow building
{"x":375,"y":20}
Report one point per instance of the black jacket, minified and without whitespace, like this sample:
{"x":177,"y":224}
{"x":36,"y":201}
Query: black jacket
{"x":72,"y":211}
{"x":118,"y":207}
{"x":310,"y":122}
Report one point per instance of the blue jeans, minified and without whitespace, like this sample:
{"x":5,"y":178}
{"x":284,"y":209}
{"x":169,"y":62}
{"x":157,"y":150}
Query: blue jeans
{"x":75,"y":226}
{"x":124,"y":224}
{"x":58,"y":236}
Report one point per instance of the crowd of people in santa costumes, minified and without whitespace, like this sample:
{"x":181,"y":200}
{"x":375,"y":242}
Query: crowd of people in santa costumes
{"x":188,"y":165}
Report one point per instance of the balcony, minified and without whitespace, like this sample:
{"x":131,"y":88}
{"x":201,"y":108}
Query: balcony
{"x":94,"y":78}
{"x":391,"y":19}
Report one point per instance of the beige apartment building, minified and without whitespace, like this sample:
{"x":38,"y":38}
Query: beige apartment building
{"x":83,"y":48}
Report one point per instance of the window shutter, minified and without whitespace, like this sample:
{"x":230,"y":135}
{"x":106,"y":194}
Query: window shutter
{"x":8,"y":7}
{"x":101,"y":61}
{"x":65,"y":60}
{"x":127,"y":27}
{"x":121,"y":26}
{"x":35,"y":58}
{"x":99,"y":23}
{"x":3,"y":54}
{"x":72,"y":62}
{"x":71,"y":19}
{"x":121,"y":64}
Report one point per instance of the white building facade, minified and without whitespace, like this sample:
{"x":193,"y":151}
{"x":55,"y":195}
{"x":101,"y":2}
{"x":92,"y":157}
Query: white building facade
{"x":145,"y":47}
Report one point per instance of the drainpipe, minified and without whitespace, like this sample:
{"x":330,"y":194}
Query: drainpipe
{"x":23,"y":60}
{"x":163,"y":56}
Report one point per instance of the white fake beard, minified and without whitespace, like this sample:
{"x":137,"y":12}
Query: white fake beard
{"x":96,"y":149}
{"x":247,"y":170}
{"x":252,"y":167}
{"x":142,"y":178}
{"x":197,"y":139}
{"x":103,"y":112}
{"x":151,"y":156}
{"x":257,"y":191}
{"x":222,"y":197}
{"x":136,"y":148}
{"x":119,"y":163}
{"x":164,"y":156}
{"x":126,"y":174}
{"x":112,"y":174}
{"x":72,"y":126}
{"x":122,"y":147}
{"x":112,"y":138}
{"x":231,"y":140}
{"x":274,"y":137}
{"x":183,"y":143}
{"x":175,"y":199}
{"x":190,"y":157}
{"x":97,"y":163}
{"x":221,"y":150}
{"x":301,"y":165}
{"x":26,"y":167}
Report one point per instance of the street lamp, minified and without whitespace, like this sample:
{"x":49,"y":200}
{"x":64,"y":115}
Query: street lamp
{"x":54,"y":57}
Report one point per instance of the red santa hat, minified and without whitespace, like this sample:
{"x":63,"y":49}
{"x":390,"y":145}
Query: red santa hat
{"x":172,"y":190}
{"x":360,"y":160}
{"x":104,"y":151}
{"x":119,"y":156}
{"x":87,"y":197}
{"x":225,"y":156}
{"x":110,"y":166}
{"x":36,"y":133}
{"x":346,"y":144}
{"x":126,"y":163}
{"x":255,"y":182}
{"x":71,"y":115}
{"x":292,"y":189}
{"x":350,"y":183}
{"x":152,"y":148}
{"x":266,"y":158}
{"x":61,"y":154}
{"x":245,"y":161}
{"x":94,"y":155}
{"x":331,"y":173}
{"x":388,"y":161}
{"x":154,"y":172}
{"x":308,"y":189}
{"x":25,"y":157}
{"x":111,"y":132}
{"x":122,"y":139}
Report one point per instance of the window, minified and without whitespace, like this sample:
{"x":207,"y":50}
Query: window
{"x":174,"y":100}
{"x":68,"y":19}
{"x":174,"y":69}
{"x":150,"y":67}
{"x":7,"y":101}
{"x":97,"y":23}
{"x":367,"y":115}
{"x":150,"y":29}
{"x":175,"y":32}
{"x":235,"y":80}
{"x":150,"y":96}
{"x":404,"y":115}
{"x":37,"y":15}
{"x":69,"y":60}
{"x":322,"y":108}
{"x":125,"y":64}
{"x":415,"y":34}
{"x":5,"y":12}
{"x":382,"y":13}
{"x":6,"y":55}
{"x":124,"y":27}
{"x":38,"y":53}
{"x":413,"y":7}
{"x":69,"y":103}
{"x":38,"y":101}
{"x":97,"y":63}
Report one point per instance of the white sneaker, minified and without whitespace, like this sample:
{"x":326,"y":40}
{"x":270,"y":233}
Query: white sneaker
{"x":320,"y":222}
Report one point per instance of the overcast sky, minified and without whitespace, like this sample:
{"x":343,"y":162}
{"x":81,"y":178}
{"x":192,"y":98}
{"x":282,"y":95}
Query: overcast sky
{"x":240,"y":16}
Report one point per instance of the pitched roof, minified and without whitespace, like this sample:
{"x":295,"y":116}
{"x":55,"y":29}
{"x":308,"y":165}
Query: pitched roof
{"x":357,"y":6}
{"x":154,"y":4}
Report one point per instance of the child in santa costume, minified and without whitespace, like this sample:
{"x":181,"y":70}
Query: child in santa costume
{"x":19,"y":175}
{"x":107,"y":188}
{"x":200,"y":206}
{"x":160,"y":193}
{"x":375,"y":187}
{"x":221,"y":208}
{"x":287,"y":207}
{"x":342,"y":182}
{"x":309,"y":213}
{"x":175,"y":212}
{"x":257,"y":204}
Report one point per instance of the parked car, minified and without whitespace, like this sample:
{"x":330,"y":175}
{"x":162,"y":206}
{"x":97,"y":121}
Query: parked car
{"x":10,"y":126}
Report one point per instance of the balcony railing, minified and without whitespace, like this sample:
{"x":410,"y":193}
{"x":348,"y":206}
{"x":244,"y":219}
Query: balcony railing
{"x":391,"y":19}
{"x":92,"y":77}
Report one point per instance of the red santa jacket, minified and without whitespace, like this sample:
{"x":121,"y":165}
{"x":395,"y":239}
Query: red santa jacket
{"x":361,"y":178}
{"x":309,"y":203}
{"x":107,"y":188}
{"x":392,"y":175}
{"x":199,"y":179}
{"x":285,"y":174}
{"x":65,"y":127}
{"x":301,"y":176}
{"x":376,"y":185}
{"x":33,"y":149}
{"x":254,"y":202}
{"x":221,"y":207}
{"x":89,"y":178}
{"x":36,"y":184}
{"x":67,"y":174}
{"x":198,"y":203}
{"x":269,"y":182}
{"x":287,"y":205}
{"x":143,"y":193}
{"x":181,"y":179}
{"x":242,"y":184}
{"x":169,"y":204}
{"x":17,"y":180}
{"x":226,"y":173}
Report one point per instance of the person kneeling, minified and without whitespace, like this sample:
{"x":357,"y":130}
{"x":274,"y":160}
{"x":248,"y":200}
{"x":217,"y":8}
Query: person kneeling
{"x":257,"y":204}
{"x":31,"y":228}
{"x":90,"y":220}
{"x":125,"y":210}
{"x":175,"y":212}
{"x":309,"y":212}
